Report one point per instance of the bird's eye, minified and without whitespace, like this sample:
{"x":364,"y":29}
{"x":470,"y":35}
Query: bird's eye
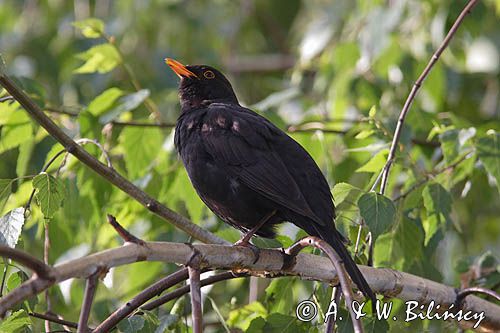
{"x":209,"y":74}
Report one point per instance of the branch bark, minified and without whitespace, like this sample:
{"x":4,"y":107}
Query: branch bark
{"x":384,"y":281}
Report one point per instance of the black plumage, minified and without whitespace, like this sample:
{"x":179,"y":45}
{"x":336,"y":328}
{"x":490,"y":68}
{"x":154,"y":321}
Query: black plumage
{"x":245,"y":168}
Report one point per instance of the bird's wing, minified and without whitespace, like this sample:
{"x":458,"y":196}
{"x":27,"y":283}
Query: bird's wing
{"x":240,"y":143}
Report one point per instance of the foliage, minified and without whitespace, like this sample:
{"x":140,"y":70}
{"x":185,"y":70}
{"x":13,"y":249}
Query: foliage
{"x":92,"y":64}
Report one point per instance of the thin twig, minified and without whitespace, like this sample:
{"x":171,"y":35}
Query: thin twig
{"x":39,"y":267}
{"x":4,"y":276}
{"x":124,"y":234}
{"x":53,"y":319}
{"x":88,"y":298}
{"x":46,"y":249}
{"x":84,"y":141}
{"x":196,"y":311}
{"x":330,"y":323}
{"x":148,"y":102}
{"x":476,"y":290}
{"x":142,"y":124}
{"x":185,"y":289}
{"x":6,"y":98}
{"x":141,"y":298}
{"x":60,"y":111}
{"x":109,"y":174}
{"x":432,"y":174}
{"x":406,"y":108}
{"x":339,"y":267}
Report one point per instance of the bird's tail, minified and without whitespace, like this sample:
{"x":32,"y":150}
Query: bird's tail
{"x":335,"y":240}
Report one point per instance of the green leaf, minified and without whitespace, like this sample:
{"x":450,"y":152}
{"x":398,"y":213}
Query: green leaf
{"x":126,"y":103}
{"x":182,"y":192}
{"x":488,"y":151}
{"x":167,"y":321}
{"x":141,"y":148}
{"x":410,"y":237}
{"x":102,"y":58}
{"x":378,"y":212}
{"x":346,"y":192}
{"x":50,"y":193}
{"x":376,"y":163}
{"x":5,"y":191}
{"x":25,"y":152}
{"x":91,"y":27}
{"x":15,"y":322}
{"x":437,"y":202}
{"x":256,"y":325}
{"x":15,"y":280}
{"x":364,"y":134}
{"x":104,"y":101}
{"x":278,"y":323}
{"x":132,"y":324}
{"x":374,"y":325}
{"x":279,"y":295}
{"x":449,"y":144}
{"x":11,"y":225}
{"x":243,"y":316}
{"x":17,"y":129}
{"x":372,"y":112}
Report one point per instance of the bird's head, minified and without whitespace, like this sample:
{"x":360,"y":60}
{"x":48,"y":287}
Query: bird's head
{"x":201,"y":85}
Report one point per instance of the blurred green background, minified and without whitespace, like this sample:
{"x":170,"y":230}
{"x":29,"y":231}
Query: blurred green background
{"x":335,"y":74}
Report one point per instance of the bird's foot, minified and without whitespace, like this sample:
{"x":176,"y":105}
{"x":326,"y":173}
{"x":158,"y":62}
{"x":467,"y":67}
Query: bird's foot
{"x":245,"y":243}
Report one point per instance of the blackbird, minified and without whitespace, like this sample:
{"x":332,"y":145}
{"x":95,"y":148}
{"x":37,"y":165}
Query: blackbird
{"x":246,"y":170}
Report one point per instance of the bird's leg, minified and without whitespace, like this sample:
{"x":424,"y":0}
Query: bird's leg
{"x":245,"y":239}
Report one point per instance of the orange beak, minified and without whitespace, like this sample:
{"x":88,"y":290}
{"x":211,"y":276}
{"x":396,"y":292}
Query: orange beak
{"x":179,"y":68}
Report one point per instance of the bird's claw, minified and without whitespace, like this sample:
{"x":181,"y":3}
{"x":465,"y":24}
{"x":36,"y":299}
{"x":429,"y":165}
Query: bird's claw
{"x":247,"y":244}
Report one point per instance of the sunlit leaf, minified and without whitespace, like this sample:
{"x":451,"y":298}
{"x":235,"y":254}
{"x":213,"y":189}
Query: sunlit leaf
{"x":91,"y":27}
{"x":376,"y":163}
{"x":11,"y":225}
{"x":344,"y":191}
{"x":104,"y":101}
{"x":241,"y":317}
{"x":364,"y":134}
{"x":141,"y":147}
{"x":101,"y":58}
{"x":17,"y":129}
{"x":15,"y":322}
{"x":50,"y":193}
{"x":378,"y":212}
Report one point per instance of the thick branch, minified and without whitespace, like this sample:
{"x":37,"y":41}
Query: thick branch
{"x":384,"y":281}
{"x":109,"y":174}
{"x":414,"y":90}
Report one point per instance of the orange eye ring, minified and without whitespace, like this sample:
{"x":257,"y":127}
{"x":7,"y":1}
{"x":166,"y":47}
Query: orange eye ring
{"x":209,"y":74}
